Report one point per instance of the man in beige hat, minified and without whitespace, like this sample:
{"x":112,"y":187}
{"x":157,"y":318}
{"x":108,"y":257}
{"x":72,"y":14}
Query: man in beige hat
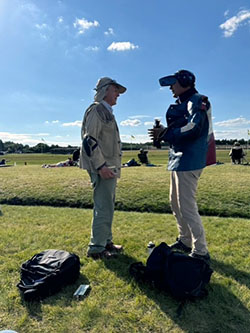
{"x":101,"y":157}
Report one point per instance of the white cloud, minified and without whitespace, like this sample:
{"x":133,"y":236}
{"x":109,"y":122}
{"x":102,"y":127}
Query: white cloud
{"x":233,"y":128}
{"x":43,"y":36}
{"x":77,"y":123}
{"x":122,"y":46}
{"x":31,"y":9}
{"x":60,"y":19}
{"x":139,"y":138}
{"x":34,"y":139}
{"x":44,"y":30}
{"x":241,"y":121}
{"x":149,"y":123}
{"x":41,"y":26}
{"x":142,"y":138}
{"x":92,"y":48}
{"x":135,"y":121}
{"x":52,"y":122}
{"x":233,"y":23}
{"x":110,"y":31}
{"x":131,"y":122}
{"x":231,"y":134}
{"x":82,"y":25}
{"x":41,"y":134}
{"x":25,"y":139}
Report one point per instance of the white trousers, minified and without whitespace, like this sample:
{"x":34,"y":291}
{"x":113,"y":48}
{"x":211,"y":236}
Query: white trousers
{"x":183,"y":187}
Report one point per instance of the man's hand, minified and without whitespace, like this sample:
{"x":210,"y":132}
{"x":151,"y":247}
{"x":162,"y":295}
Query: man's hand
{"x":106,"y":173}
{"x":154,"y":133}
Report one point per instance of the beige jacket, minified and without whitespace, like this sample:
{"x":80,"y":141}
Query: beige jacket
{"x":101,"y":143}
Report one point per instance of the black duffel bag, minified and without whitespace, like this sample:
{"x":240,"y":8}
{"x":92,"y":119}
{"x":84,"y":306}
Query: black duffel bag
{"x":47,"y":272}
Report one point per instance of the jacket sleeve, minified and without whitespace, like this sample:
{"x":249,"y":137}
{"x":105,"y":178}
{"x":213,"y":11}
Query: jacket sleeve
{"x":90,"y":135}
{"x":193,"y":128}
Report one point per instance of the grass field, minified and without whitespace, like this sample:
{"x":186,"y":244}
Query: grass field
{"x":116,"y":302}
{"x":223,"y":189}
{"x":155,"y":156}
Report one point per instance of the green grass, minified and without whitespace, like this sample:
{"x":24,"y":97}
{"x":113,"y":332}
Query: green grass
{"x":223,"y":189}
{"x":116,"y":302}
{"x":155,"y":156}
{"x":34,"y":159}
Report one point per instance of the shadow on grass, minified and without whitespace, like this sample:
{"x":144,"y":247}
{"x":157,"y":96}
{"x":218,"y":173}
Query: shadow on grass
{"x":129,"y":206}
{"x":229,"y":271}
{"x":220,"y":311}
{"x":63,"y":298}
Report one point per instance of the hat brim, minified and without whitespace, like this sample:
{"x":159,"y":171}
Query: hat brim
{"x":168,"y":80}
{"x":109,"y":82}
{"x":120,"y":88}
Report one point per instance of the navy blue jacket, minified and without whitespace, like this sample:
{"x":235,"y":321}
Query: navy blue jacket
{"x":189,"y":131}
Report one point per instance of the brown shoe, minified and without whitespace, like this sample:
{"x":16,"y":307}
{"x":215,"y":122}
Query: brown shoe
{"x":114,"y":248}
{"x":105,"y":254}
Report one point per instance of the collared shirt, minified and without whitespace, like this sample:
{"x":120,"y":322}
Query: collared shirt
{"x":107,"y":106}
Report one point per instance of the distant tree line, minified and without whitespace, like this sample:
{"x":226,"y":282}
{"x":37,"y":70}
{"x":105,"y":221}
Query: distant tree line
{"x":10,"y":147}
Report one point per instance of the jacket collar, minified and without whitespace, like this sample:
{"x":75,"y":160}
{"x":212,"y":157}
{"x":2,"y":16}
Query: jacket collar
{"x":107,"y":106}
{"x":186,"y":95}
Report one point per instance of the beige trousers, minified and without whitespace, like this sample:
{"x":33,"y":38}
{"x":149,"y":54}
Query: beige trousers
{"x":183,"y":187}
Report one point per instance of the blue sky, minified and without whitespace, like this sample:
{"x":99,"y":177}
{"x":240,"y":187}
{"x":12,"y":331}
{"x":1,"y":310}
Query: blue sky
{"x":53,"y":52}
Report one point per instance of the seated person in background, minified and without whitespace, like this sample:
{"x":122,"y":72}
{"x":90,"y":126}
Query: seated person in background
{"x":76,"y":156}
{"x":66,"y":163}
{"x":143,"y":158}
{"x":131,"y":163}
{"x":236,"y":153}
{"x":3,"y":162}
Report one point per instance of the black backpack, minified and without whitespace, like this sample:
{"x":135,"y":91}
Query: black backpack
{"x":182,"y":276}
{"x":47,"y":272}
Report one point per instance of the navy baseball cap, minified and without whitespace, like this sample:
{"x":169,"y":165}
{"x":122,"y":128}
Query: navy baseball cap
{"x":185,"y":78}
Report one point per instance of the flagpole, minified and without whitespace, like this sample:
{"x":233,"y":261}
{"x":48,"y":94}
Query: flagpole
{"x":248,"y":134}
{"x":131,"y":137}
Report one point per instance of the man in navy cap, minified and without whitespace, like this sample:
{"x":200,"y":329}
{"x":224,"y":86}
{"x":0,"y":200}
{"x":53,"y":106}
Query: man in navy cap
{"x":189,"y":133}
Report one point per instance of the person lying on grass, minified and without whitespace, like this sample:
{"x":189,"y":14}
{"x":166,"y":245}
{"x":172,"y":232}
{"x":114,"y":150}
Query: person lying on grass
{"x":66,"y":163}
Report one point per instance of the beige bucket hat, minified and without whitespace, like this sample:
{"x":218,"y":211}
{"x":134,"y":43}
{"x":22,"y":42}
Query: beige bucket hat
{"x":102,"y":85}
